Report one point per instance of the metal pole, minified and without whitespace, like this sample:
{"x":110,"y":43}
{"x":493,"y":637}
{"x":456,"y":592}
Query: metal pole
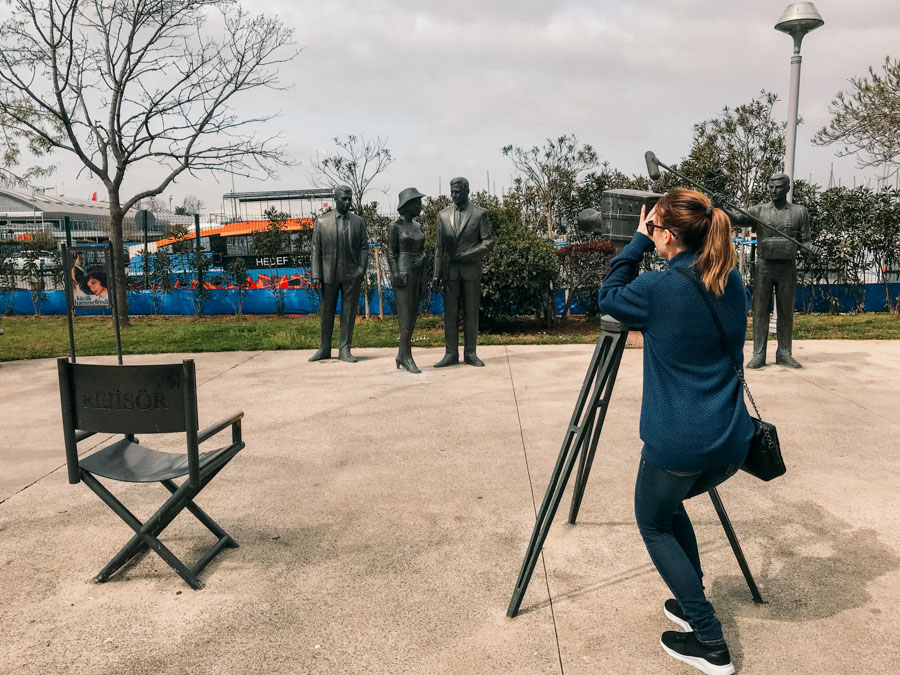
{"x":70,"y":309}
{"x":146,"y":259}
{"x":199,"y":253}
{"x":115,"y":307}
{"x":790,"y":145}
{"x":793,"y":108}
{"x":735,"y":546}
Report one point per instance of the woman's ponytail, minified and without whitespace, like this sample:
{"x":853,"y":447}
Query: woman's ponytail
{"x":704,"y":228}
{"x":716,"y":258}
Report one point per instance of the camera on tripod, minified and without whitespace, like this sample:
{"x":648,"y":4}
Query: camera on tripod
{"x":619,"y":215}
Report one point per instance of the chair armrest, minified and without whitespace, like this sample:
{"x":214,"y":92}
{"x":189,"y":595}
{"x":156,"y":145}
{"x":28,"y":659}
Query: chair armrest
{"x":219,"y":426}
{"x":81,"y":435}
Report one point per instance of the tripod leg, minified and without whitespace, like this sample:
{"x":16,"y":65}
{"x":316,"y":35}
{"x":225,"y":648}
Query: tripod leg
{"x":553,"y":496}
{"x":541,"y":529}
{"x":575,"y":439}
{"x":735,"y":545}
{"x":584,"y":469}
{"x":598,"y":410}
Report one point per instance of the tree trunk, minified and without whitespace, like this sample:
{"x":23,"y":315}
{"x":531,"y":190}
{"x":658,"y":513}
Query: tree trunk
{"x":117,"y":218}
{"x":550,"y":307}
{"x":365,"y":284}
{"x":378,"y":277}
{"x":569,"y":299}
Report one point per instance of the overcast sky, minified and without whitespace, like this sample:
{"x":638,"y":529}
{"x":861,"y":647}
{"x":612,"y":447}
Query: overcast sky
{"x":450,"y":83}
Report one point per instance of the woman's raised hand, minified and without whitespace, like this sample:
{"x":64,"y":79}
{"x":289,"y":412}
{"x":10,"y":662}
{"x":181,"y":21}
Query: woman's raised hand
{"x":645,"y":218}
{"x":642,"y":222}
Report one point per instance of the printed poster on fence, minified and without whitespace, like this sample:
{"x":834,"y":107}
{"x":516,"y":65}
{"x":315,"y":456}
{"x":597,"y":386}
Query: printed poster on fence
{"x":90,"y":272}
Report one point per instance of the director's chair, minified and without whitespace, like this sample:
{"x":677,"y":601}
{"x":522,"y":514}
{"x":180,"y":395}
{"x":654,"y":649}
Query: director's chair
{"x":145,"y":399}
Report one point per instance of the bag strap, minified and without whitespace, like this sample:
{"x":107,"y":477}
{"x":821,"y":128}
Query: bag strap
{"x":715,"y":315}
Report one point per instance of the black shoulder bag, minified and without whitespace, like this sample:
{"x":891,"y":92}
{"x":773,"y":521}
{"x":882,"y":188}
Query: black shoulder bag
{"x":764,"y":457}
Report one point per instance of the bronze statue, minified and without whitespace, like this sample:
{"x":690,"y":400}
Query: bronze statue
{"x":776,"y":268}
{"x":463,"y":238}
{"x":340,"y":257}
{"x":406,"y":258}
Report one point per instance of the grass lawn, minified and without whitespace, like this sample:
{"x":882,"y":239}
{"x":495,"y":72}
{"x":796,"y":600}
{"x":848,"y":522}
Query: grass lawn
{"x":42,"y":337}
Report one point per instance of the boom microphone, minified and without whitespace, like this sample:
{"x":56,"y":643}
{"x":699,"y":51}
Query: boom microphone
{"x":653,"y":171}
{"x":652,"y":165}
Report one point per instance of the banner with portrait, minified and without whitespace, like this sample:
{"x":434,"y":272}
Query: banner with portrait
{"x":89,"y":276}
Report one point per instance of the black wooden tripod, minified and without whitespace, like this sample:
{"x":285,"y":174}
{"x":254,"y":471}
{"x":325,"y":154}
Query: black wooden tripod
{"x":581,"y":442}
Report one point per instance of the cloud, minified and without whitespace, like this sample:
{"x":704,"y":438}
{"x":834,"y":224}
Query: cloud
{"x":450,"y":83}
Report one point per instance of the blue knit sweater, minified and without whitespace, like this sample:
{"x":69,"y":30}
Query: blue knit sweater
{"x":692,"y":414}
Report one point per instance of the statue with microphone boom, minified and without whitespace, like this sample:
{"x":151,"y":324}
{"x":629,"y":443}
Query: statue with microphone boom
{"x":782,"y":229}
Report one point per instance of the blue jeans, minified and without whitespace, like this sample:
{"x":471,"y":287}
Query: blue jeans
{"x":670,"y":541}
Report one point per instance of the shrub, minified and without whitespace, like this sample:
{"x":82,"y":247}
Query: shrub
{"x":520,"y":271}
{"x":583,"y":268}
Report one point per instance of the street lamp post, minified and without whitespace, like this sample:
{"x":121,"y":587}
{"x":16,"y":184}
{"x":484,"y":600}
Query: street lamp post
{"x":797,"y":20}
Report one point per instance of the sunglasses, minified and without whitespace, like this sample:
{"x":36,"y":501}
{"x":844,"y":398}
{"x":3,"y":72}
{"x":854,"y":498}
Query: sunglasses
{"x":651,"y":227}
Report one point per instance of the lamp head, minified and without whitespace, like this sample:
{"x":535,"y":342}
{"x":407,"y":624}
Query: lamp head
{"x":798,"y":19}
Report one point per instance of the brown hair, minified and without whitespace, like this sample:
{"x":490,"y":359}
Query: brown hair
{"x":691,"y":216}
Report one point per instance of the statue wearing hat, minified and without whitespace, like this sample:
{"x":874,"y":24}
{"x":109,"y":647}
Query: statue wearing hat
{"x":340,"y":257}
{"x":463,"y":239}
{"x":406,"y":258}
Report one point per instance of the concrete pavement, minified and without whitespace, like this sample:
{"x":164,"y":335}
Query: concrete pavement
{"x":382,"y":519}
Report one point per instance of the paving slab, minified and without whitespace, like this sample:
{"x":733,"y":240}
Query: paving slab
{"x":383,"y":516}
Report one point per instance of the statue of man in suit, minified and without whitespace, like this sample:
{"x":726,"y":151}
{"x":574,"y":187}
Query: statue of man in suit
{"x":463,"y":239}
{"x":340,"y":257}
{"x":776,"y":269}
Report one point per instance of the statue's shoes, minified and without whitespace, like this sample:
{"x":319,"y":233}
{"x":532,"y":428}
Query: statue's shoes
{"x":473,"y":360}
{"x":787,"y":360}
{"x":345,"y":355}
{"x":321,"y":354}
{"x":448,"y":360}
{"x":408,"y":364}
{"x":756,"y":362}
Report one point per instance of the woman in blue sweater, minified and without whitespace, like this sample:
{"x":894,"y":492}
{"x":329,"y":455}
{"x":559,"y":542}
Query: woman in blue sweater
{"x":695,"y":428}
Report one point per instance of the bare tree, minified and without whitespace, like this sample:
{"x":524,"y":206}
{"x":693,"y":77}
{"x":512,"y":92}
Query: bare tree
{"x":127,"y":83}
{"x":156,"y":206}
{"x":551,"y":173}
{"x":11,"y":156}
{"x":866,"y":120}
{"x":356,"y":162}
{"x":190,"y":205}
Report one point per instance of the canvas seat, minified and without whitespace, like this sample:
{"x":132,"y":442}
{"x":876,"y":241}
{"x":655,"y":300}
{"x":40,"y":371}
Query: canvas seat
{"x":146,"y":400}
{"x":132,"y":462}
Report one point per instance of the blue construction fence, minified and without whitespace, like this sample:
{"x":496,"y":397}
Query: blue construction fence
{"x":222,"y":301}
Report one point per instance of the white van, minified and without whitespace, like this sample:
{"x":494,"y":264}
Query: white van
{"x":43,"y":260}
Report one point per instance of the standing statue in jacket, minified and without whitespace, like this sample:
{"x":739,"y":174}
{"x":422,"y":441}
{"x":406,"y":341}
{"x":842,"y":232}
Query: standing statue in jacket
{"x":463,"y":239}
{"x":340,"y":257}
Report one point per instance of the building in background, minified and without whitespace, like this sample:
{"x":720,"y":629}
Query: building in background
{"x":244,"y":214}
{"x":250,"y":206}
{"x":24,"y":214}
